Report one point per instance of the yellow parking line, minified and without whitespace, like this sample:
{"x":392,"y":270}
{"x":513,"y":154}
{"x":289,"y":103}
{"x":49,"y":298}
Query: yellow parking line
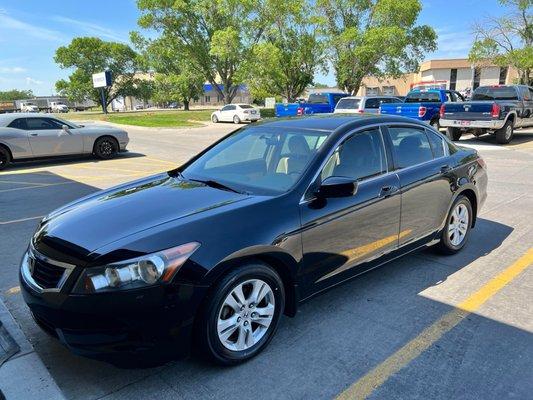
{"x":401,"y":358}
{"x":115,"y":169}
{"x":162,"y":161}
{"x":20,"y":220}
{"x":13,"y":290}
{"x":24,"y":183}
{"x":35,"y":187}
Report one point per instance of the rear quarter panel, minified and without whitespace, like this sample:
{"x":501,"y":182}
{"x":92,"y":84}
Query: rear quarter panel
{"x":16,"y":140}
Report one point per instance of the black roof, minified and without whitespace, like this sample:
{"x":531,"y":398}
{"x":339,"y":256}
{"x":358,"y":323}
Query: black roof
{"x":332,"y":122}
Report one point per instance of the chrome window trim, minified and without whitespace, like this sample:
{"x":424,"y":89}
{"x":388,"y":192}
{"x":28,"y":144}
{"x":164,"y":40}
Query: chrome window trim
{"x":379,"y":126}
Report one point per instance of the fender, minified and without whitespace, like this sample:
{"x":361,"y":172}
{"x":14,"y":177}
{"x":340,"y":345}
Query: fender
{"x":279,"y":259}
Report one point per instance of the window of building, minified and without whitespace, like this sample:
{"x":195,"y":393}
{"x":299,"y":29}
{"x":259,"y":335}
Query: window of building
{"x":372,"y":91}
{"x":208,"y":99}
{"x":453,"y":78}
{"x":503,"y":75}
{"x":389,"y":90}
{"x":477,"y":78}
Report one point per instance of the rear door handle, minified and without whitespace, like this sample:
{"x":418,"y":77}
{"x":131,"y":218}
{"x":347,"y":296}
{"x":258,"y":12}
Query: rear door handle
{"x":34,"y":134}
{"x":387,"y":191}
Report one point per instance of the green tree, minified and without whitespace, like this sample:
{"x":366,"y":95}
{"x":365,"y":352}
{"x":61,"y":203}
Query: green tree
{"x":286,"y":61}
{"x":507,"y":40}
{"x":214,"y":37}
{"x":14,"y":94}
{"x":89,"y":55}
{"x":373,"y":37}
{"x":181,"y":88}
{"x":176,"y":80}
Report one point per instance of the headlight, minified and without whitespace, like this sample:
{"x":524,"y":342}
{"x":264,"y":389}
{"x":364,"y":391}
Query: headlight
{"x":138,"y":272}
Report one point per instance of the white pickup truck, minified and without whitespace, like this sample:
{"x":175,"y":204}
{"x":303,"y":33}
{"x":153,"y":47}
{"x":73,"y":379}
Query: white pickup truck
{"x":28,"y":106}
{"x":58,"y":107}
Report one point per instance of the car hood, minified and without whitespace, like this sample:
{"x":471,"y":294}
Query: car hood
{"x":105,"y":217}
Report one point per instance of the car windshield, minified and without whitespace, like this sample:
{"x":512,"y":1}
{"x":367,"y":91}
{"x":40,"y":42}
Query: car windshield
{"x":422,"y":97}
{"x":348,"y":104}
{"x":257,"y":160}
{"x":495,"y":93}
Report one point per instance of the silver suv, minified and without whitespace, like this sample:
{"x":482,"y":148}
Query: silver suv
{"x":363,"y":104}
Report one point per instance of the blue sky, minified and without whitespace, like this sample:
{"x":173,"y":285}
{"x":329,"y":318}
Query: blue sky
{"x":31,"y":31}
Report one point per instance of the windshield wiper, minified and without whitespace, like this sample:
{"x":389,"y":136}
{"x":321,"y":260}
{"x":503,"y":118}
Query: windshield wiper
{"x":217,"y":185}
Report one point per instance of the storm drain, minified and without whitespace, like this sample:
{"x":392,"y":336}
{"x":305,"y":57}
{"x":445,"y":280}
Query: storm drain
{"x":8,"y":346}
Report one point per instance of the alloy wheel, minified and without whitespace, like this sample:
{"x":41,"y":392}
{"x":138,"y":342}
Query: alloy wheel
{"x":458,"y":225}
{"x":246,"y":315}
{"x":106,"y":148}
{"x":508,"y":132}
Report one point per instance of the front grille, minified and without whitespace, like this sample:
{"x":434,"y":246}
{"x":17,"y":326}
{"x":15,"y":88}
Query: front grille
{"x":46,"y":275}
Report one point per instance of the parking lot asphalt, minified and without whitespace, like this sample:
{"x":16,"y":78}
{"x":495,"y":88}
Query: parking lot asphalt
{"x":424,"y":326}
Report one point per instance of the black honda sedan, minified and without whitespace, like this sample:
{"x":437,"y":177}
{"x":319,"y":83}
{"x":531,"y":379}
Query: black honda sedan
{"x":212,"y":253}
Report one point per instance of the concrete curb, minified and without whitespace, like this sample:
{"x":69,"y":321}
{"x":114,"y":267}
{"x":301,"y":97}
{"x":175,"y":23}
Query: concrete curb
{"x":24,"y":376}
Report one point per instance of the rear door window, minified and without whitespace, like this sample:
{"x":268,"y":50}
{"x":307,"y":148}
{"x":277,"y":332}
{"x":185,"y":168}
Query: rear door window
{"x":437,"y":143}
{"x":316,"y":98}
{"x":410,"y":146}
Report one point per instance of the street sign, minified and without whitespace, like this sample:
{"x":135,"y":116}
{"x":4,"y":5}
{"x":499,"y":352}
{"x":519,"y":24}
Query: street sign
{"x":102,"y":79}
{"x":270,"y":102}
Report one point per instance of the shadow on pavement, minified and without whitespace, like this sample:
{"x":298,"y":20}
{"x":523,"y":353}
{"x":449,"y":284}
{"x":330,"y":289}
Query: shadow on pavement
{"x":63,"y":160}
{"x":336,"y":337}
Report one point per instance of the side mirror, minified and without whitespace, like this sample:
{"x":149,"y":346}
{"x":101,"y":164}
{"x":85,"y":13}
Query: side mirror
{"x":66,"y":128}
{"x":337,"y":186}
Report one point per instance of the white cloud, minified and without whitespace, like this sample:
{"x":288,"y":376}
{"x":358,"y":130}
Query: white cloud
{"x":31,"y":81}
{"x":12,"y":70}
{"x":8,"y":23}
{"x":90,"y":28}
{"x":453,"y":43}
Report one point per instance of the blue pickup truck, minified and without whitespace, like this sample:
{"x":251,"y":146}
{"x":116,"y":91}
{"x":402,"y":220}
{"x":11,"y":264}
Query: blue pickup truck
{"x":423,"y":105}
{"x":317,"y":103}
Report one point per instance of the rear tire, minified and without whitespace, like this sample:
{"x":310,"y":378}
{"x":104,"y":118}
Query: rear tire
{"x":505,"y":135}
{"x":457,"y":228}
{"x":236,"y":119}
{"x":5,"y":158}
{"x":454,"y":133}
{"x":219,"y":326}
{"x":105,"y":148}
{"x":435,"y":124}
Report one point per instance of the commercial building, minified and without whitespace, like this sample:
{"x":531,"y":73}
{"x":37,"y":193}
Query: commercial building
{"x":454,"y":74}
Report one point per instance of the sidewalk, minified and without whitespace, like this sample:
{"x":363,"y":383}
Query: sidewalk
{"x":23,"y":375}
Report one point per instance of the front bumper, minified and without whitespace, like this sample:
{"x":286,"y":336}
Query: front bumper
{"x":465,"y":124}
{"x":142,"y":327}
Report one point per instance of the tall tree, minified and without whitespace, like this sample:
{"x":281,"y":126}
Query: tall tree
{"x":507,"y":40}
{"x":89,"y":55}
{"x":14,"y":94}
{"x":286,"y":61}
{"x":214,"y":36}
{"x":176,"y":80}
{"x":374,"y":37}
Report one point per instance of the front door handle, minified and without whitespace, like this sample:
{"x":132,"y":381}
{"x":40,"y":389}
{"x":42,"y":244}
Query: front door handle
{"x":387,"y":191}
{"x":34,"y":134}
{"x":445,"y":168}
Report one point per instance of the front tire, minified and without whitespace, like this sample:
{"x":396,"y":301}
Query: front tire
{"x":505,"y":135}
{"x":214,"y":118}
{"x":453,"y":133}
{"x":105,"y":148}
{"x":5,"y":158}
{"x":457,"y":229}
{"x":241,"y":315}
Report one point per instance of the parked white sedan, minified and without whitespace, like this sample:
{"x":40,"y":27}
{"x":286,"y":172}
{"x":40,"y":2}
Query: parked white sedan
{"x":236,"y":113}
{"x":28,"y":135}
